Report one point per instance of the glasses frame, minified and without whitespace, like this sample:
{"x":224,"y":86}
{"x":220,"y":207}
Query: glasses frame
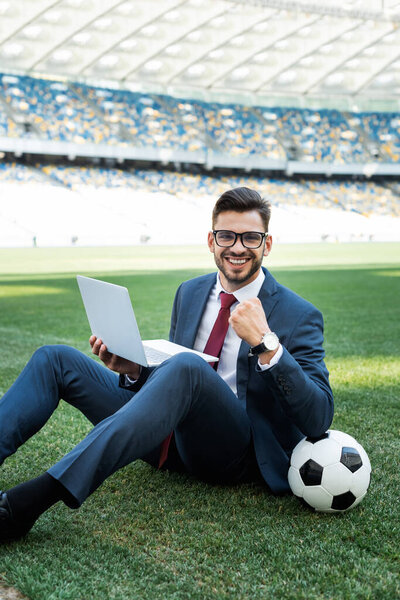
{"x":240,"y":235}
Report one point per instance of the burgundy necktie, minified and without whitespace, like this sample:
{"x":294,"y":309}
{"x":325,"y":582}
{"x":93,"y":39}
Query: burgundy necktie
{"x":213,"y":346}
{"x":218,"y":332}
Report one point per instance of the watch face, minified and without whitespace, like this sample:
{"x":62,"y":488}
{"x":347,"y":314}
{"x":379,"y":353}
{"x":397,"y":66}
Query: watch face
{"x":271,"y":341}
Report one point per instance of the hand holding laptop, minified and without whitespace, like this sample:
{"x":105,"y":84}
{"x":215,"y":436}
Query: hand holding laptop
{"x":112,"y":361}
{"x":113,"y":324}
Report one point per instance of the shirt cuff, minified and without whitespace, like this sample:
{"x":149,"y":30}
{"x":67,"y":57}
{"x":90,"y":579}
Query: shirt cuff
{"x":274,"y":360}
{"x":129,"y":381}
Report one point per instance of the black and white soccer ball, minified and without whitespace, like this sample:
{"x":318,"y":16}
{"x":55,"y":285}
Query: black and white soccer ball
{"x":330,"y":473}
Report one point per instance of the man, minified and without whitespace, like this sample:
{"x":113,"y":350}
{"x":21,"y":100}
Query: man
{"x":236,"y":422}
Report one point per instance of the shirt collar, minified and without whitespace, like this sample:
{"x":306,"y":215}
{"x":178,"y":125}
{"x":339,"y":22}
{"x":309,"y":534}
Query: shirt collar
{"x":251,"y":290}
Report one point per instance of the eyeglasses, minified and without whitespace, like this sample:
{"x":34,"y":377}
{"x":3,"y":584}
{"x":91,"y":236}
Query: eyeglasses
{"x":249,"y":239}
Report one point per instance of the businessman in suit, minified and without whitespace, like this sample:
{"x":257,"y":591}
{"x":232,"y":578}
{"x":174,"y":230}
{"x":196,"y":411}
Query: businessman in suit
{"x":236,"y":421}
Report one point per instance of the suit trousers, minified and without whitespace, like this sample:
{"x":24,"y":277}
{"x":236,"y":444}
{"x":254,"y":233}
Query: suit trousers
{"x":212,"y":433}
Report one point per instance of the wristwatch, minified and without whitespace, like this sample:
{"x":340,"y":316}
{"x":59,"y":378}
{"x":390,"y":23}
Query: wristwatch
{"x":269,"y":342}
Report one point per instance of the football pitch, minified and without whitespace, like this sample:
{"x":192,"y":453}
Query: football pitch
{"x":155,"y":535}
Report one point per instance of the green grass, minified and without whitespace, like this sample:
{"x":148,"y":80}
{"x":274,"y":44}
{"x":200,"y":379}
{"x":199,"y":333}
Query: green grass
{"x":146,"y":534}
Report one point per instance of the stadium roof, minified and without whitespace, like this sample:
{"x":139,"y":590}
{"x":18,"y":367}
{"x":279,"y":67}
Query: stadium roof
{"x":260,"y":48}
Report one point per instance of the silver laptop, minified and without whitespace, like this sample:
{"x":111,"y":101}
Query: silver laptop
{"x":111,"y":319}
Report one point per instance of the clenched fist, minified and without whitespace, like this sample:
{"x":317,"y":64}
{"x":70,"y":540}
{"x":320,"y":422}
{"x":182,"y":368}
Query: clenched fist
{"x":250,"y":323}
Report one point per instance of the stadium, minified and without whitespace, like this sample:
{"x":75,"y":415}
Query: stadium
{"x":139,"y":104}
{"x":121,"y":123}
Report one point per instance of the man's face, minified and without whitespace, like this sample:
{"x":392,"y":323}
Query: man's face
{"x":238,"y":265}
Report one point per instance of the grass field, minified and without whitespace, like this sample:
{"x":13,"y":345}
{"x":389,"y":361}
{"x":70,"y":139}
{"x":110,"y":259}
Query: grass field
{"x":153,"y":535}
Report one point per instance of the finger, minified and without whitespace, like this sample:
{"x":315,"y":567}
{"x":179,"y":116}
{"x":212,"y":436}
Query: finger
{"x":112,"y":361}
{"x":92,"y":340}
{"x":103,"y":350}
{"x":96,"y":346}
{"x":104,"y":354}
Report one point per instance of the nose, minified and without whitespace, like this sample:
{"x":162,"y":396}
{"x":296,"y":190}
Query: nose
{"x":238,"y":245}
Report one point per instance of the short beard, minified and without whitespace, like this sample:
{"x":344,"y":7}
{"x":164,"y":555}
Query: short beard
{"x":239,"y":278}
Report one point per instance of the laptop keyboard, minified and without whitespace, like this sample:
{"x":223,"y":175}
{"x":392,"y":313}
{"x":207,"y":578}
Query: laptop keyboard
{"x":155,"y":356}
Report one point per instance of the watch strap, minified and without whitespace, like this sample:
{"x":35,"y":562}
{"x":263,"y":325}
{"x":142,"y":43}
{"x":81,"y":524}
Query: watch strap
{"x":256,"y":350}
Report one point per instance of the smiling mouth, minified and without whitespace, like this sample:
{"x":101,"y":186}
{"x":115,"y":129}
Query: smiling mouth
{"x":237,"y":261}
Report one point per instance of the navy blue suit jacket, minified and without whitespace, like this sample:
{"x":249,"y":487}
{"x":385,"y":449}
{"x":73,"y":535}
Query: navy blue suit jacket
{"x":291,"y":400}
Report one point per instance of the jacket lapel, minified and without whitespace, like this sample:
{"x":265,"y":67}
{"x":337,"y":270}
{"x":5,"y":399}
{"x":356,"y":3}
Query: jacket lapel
{"x":194,"y":309}
{"x":267,"y":293}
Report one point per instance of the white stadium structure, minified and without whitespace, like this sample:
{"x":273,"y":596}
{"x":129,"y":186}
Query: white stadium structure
{"x":122,"y":120}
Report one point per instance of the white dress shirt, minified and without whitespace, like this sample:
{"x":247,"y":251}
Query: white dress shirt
{"x":230,"y":349}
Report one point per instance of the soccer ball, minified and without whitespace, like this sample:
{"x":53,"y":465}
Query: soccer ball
{"x":330,"y":473}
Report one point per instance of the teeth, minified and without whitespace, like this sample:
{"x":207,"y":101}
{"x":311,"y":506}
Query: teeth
{"x":237,"y":261}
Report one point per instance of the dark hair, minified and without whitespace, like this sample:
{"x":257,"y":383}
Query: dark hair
{"x":241,"y":200}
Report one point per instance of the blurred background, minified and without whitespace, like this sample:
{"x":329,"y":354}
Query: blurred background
{"x":122,"y":122}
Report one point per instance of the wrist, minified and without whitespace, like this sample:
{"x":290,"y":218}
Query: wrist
{"x":257,"y":337}
{"x":266,"y":357}
{"x":134,"y":375}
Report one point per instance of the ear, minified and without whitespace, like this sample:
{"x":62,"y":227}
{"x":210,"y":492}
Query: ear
{"x":268,"y":245}
{"x":210,"y":241}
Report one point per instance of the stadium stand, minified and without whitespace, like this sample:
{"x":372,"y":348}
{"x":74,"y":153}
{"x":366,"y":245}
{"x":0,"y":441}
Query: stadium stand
{"x":117,"y":206}
{"x":15,"y":172}
{"x":239,"y":131}
{"x":364,"y":197}
{"x":147,"y":120}
{"x":82,"y":114}
{"x":51,"y":110}
{"x":319,"y":136}
{"x":129,"y":118}
{"x":76,"y":177}
{"x":7,"y":126}
{"x":191,"y":123}
{"x":383,"y":129}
